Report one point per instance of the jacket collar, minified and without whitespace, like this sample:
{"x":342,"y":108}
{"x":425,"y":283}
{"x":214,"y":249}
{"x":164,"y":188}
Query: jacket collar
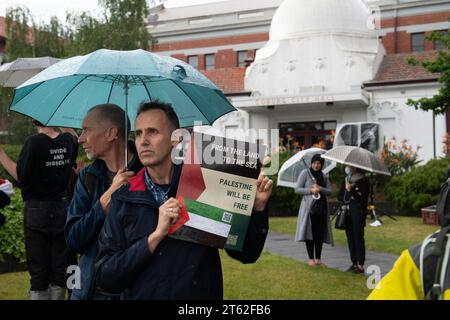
{"x":137,"y":191}
{"x":98,"y":167}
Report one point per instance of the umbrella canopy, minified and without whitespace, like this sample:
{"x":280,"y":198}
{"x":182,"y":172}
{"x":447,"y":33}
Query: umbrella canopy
{"x":62,"y":94}
{"x":290,"y":170}
{"x":13,"y":74}
{"x":357,"y":157}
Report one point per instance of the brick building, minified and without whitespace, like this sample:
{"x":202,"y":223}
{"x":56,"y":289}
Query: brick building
{"x":347,"y":73}
{"x":218,"y":38}
{"x":2,"y":38}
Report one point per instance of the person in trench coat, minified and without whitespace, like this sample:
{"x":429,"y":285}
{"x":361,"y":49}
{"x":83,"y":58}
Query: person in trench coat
{"x":313,"y":225}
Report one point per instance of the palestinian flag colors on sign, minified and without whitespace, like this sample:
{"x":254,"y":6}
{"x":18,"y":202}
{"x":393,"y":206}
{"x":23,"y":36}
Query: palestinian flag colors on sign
{"x":217,"y":189}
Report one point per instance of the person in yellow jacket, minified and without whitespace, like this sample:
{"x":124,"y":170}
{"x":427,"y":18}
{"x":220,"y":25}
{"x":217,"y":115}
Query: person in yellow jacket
{"x":423,"y":271}
{"x":404,"y":281}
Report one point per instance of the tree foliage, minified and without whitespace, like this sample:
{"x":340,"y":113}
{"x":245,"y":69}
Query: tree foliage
{"x":441,"y":64}
{"x":19,"y":42}
{"x":121,"y":26}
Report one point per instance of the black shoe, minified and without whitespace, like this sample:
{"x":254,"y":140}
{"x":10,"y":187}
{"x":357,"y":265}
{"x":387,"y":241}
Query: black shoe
{"x":351,"y":269}
{"x":358,"y":270}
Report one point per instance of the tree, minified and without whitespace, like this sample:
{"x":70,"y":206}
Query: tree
{"x":19,"y":43}
{"x":122,"y":27}
{"x":48,"y":39}
{"x":26,"y":39}
{"x":441,"y":64}
{"x":126,"y":24}
{"x":84,"y":34}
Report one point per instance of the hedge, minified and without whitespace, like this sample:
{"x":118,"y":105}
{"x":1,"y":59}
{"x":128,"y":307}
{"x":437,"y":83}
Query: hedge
{"x":12,"y":241}
{"x":418,"y":188}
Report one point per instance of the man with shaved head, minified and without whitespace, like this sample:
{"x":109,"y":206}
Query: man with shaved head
{"x":103,"y":140}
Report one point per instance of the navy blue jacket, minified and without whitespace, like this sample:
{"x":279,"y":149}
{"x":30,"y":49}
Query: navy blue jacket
{"x":85,"y":219}
{"x":177,"y":269}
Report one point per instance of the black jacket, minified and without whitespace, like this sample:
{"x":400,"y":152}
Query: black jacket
{"x":4,"y":199}
{"x":359,"y":193}
{"x":177,"y":269}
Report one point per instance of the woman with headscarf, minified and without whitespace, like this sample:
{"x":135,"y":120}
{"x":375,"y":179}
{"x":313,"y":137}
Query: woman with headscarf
{"x":313,"y":225}
{"x":355,"y":191}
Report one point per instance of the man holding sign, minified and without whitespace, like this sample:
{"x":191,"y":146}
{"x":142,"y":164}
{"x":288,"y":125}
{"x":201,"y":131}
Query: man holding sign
{"x":136,"y":256}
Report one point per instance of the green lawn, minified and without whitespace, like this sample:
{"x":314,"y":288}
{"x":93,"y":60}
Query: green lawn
{"x":391,"y":237}
{"x":274,"y":277}
{"x":14,"y":286}
{"x":271,"y":277}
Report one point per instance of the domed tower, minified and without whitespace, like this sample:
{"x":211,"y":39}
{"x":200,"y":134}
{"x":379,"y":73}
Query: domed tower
{"x":326,"y":47}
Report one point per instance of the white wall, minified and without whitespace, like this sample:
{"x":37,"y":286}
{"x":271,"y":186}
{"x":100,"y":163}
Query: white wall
{"x":405,"y":123}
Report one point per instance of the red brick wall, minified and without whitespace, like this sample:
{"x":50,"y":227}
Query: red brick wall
{"x":181,"y":57}
{"x":413,"y":20}
{"x":403,"y":42}
{"x":229,"y":80}
{"x":202,"y":43}
{"x":226,"y":59}
{"x":404,"y":38}
{"x":2,"y":27}
{"x":389,"y":42}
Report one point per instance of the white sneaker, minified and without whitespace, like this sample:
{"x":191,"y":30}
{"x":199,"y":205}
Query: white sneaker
{"x":376,"y":223}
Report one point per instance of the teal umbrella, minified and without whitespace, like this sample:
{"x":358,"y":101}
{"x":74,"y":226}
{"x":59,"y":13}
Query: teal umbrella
{"x":62,"y":94}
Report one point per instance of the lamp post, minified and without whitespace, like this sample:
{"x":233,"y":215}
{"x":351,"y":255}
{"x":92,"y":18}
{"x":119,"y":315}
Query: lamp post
{"x":434,"y":135}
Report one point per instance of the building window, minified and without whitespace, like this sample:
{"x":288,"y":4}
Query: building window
{"x":210,"y":61}
{"x":298,"y":136}
{"x":418,"y":42}
{"x":193,"y":61}
{"x":242,"y":56}
{"x":438,"y":45}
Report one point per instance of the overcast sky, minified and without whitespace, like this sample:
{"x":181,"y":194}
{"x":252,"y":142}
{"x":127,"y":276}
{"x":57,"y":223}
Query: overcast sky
{"x":42,"y":10}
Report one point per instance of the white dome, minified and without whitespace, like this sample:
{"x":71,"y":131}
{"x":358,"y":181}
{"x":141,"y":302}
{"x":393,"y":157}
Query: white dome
{"x":316,"y":46}
{"x":297,"y":18}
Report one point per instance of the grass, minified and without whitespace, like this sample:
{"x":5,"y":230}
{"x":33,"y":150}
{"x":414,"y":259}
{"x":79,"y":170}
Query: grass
{"x":391,"y":237}
{"x":14,"y":286}
{"x":279,"y":278}
{"x":271,"y":277}
{"x":275,"y":277}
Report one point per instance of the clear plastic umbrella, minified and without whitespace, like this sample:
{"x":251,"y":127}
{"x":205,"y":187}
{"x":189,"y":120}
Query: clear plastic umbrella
{"x":290,"y":170}
{"x":357,"y":157}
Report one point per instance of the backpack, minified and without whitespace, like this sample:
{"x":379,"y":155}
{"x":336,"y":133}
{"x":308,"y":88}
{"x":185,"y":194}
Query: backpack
{"x":435,"y":250}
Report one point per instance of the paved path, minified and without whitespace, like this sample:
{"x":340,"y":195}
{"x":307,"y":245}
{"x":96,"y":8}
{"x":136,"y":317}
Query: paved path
{"x":336,"y":257}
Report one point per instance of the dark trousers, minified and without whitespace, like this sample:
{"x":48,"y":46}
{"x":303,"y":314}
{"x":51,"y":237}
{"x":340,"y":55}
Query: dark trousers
{"x":44,"y":243}
{"x":354,"y":229}
{"x":318,"y":226}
